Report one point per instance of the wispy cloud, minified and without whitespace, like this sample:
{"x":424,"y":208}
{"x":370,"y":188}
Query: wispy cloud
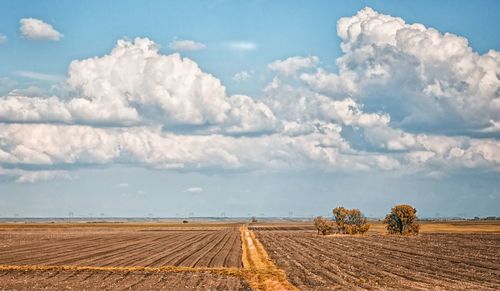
{"x":242,"y":45}
{"x":40,"y":76}
{"x":292,"y":65}
{"x":3,"y":38}
{"x":33,"y":177}
{"x":186,"y":45}
{"x":242,"y":76}
{"x":121,"y":185}
{"x":193,"y":189}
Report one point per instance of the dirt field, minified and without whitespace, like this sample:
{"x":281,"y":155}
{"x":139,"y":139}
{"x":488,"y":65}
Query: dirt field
{"x":264,"y":256}
{"x":151,"y":247}
{"x":102,"y":280}
{"x":375,"y":261}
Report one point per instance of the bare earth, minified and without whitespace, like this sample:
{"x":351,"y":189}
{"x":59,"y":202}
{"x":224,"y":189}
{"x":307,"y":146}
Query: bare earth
{"x":152,"y":256}
{"x":376,"y":261}
{"x":195,"y":247}
{"x":102,"y":280}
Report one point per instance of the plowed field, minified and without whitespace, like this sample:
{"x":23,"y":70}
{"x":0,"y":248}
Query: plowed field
{"x":136,"y":247}
{"x":103,"y":280}
{"x":427,"y":261}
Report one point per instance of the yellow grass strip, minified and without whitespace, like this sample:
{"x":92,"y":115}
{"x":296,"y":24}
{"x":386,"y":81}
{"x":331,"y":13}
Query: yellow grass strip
{"x":481,"y":226}
{"x":246,"y":259}
{"x":458,"y":227}
{"x":166,"y":269}
{"x":262,"y":273}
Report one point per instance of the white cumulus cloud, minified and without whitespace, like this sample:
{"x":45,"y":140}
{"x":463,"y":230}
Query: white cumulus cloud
{"x":424,"y":78}
{"x":136,"y":106}
{"x":136,"y":85}
{"x":36,"y":29}
{"x":138,"y":82}
{"x":33,"y":109}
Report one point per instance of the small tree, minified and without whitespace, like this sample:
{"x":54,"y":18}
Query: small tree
{"x":323,"y":226}
{"x":350,"y":221}
{"x":356,"y":222}
{"x":340,"y":215}
{"x":402,"y":220}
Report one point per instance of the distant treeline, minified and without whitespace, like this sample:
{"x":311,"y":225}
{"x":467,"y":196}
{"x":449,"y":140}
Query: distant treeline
{"x":487,"y":218}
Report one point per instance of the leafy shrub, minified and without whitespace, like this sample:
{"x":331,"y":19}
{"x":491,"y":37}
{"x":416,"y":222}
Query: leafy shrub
{"x":356,"y":222}
{"x":402,"y":220}
{"x":350,"y":221}
{"x":324,"y":226}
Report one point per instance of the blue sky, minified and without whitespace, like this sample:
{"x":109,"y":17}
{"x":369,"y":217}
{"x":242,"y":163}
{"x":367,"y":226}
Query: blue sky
{"x":367,"y":119}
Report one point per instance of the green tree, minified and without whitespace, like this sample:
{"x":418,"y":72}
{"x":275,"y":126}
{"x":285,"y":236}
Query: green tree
{"x":402,"y":220}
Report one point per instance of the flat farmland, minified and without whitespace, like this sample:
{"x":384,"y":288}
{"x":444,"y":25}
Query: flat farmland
{"x":376,"y":261}
{"x":108,"y":280}
{"x":232,"y":256}
{"x":134,"y":246}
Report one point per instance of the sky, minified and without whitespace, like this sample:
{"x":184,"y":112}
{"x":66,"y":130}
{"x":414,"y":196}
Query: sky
{"x":242,"y":108}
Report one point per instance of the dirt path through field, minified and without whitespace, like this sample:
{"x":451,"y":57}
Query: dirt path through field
{"x":262,"y":273}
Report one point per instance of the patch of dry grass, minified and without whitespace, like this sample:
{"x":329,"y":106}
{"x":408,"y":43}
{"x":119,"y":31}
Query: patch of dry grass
{"x":261,"y":273}
{"x":459,"y":226}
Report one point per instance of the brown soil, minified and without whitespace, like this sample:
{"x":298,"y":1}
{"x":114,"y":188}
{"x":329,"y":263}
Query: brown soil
{"x":427,"y":261}
{"x":104,"y":280}
{"x":219,"y":247}
{"x":186,"y":257}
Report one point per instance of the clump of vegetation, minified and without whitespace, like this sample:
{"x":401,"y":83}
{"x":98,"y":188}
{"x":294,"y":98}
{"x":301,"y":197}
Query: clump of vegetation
{"x":340,"y":215}
{"x":324,"y":226}
{"x":402,"y":220}
{"x":350,"y":221}
{"x":185,"y":221}
{"x":356,"y":222}
{"x":254,"y":219}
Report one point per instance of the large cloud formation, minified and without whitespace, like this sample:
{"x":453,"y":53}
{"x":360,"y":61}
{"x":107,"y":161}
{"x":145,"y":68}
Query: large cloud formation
{"x":400,"y":89}
{"x":135,"y":85}
{"x":428,"y":80}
